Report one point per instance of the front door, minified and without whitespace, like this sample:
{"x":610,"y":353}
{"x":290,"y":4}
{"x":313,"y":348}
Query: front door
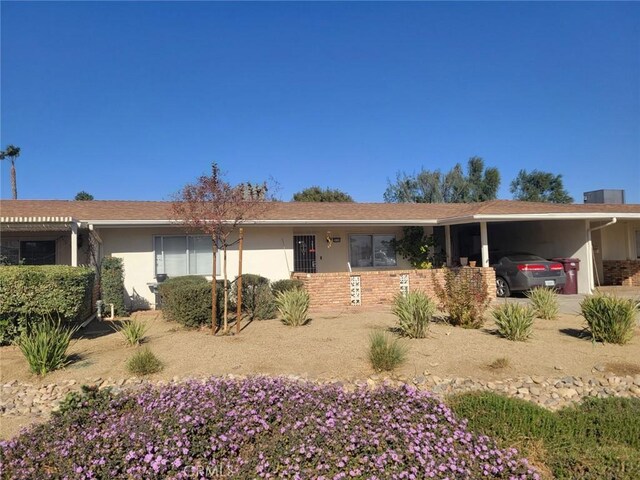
{"x":304,"y":253}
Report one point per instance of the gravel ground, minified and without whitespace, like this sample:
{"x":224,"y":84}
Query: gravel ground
{"x":333,"y":346}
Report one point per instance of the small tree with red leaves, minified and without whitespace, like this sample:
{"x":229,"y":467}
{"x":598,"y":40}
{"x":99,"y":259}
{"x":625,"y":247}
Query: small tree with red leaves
{"x":215,"y":207}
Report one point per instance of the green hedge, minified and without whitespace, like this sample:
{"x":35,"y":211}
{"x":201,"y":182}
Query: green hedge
{"x":285,"y":285}
{"x":187,"y":300}
{"x":112,"y":284}
{"x":32,"y":293}
{"x":257,"y":298}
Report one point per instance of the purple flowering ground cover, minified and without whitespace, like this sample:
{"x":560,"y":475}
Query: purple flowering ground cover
{"x":259,"y":428}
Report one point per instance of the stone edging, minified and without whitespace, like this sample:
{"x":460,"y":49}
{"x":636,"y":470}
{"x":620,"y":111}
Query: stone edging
{"x":26,"y":399}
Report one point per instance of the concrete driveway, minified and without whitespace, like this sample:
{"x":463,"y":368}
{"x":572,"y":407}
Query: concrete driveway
{"x":571,"y":303}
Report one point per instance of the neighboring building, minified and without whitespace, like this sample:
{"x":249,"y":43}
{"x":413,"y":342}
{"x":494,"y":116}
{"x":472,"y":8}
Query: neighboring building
{"x":320,"y":237}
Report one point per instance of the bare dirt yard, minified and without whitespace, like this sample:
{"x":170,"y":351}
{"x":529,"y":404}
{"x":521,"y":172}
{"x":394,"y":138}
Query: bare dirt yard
{"x":334,"y":346}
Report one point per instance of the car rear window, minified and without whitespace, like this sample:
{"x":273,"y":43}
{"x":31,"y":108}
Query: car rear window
{"x":525,"y":257}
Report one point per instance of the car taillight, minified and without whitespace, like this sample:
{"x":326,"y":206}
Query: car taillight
{"x":556,"y":266}
{"x":532,"y":267}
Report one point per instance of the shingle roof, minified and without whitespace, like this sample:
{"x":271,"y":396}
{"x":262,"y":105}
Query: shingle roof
{"x":116,"y":210}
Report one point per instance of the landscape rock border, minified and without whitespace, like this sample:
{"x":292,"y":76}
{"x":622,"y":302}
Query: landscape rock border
{"x":26,"y":399}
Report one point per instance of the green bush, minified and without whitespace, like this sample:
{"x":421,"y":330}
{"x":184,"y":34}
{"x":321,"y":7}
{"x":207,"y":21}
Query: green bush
{"x":610,"y":319}
{"x":257,"y":298}
{"x":32,"y":293}
{"x":144,"y":362}
{"x":464,"y":297}
{"x":187,"y":300}
{"x":514,"y":321}
{"x":544,"y":302}
{"x":386,"y":353}
{"x":414,"y":312}
{"x":285,"y":285}
{"x":45,"y":345}
{"x":599,"y":438}
{"x":88,"y":398}
{"x":293,"y":305}
{"x":132,"y":331}
{"x":112,"y":284}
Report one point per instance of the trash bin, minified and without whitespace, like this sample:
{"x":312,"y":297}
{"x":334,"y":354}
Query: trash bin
{"x":571,"y":267}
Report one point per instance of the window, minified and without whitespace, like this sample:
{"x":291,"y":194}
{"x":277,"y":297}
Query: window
{"x":38,"y":252}
{"x":637,"y":243}
{"x":31,"y":252}
{"x":372,"y":251}
{"x":184,"y":255}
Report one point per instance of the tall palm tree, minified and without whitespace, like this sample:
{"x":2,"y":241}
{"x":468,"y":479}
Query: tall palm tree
{"x":12,"y":152}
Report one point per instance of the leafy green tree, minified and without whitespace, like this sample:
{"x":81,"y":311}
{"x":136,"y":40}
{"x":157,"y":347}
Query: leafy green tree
{"x":12,"y":152}
{"x":317,"y":194}
{"x":539,"y":186}
{"x":483,"y":183}
{"x":432,"y":186}
{"x":418,"y":248}
{"x":82,"y":196}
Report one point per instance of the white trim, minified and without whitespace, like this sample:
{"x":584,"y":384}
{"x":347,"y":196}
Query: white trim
{"x":152,"y":223}
{"x":484,"y":240}
{"x":74,"y":244}
{"x":36,"y":219}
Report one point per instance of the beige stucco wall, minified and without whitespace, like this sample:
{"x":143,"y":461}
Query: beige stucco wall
{"x":335,"y":258}
{"x":267,"y":251}
{"x":549,"y":239}
{"x":618,"y":241}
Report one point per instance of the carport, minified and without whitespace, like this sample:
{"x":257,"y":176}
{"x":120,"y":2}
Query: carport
{"x":550,"y":231}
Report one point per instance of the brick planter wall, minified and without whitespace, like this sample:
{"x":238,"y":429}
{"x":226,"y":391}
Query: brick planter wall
{"x":377,"y":287}
{"x":621,"y":272}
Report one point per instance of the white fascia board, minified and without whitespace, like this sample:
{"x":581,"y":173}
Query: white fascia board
{"x":537,"y":216}
{"x":558,"y":216}
{"x":153,"y":223}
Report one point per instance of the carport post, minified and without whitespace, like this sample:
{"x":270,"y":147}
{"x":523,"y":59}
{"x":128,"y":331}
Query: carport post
{"x":74,"y":244}
{"x":447,"y":243}
{"x":484,"y":240}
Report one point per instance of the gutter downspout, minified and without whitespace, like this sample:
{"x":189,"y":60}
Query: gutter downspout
{"x":592,"y":255}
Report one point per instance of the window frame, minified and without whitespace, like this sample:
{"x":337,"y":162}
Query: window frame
{"x":20,"y":240}
{"x":373,"y":255}
{"x":186,"y":252}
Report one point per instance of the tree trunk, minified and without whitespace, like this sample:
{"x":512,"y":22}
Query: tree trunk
{"x":239,"y":282}
{"x":214,"y":283}
{"x":226,"y":288}
{"x":14,"y":185}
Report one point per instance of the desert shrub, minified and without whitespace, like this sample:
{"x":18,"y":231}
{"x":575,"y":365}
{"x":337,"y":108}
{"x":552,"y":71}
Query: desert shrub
{"x":31,"y":294}
{"x":293,"y":306}
{"x":463,"y":296}
{"x":257,"y":298}
{"x":385,"y":352}
{"x":414,"y":312}
{"x":544,"y":302}
{"x":89,"y":397}
{"x":112,"y":284}
{"x":133,"y":331}
{"x":499,"y":363}
{"x":187,"y":300}
{"x":610,"y":319}
{"x":285,"y":285}
{"x":45,"y":345}
{"x":144,"y":362}
{"x":596,"y":439}
{"x":260,"y":427}
{"x":514,"y":321}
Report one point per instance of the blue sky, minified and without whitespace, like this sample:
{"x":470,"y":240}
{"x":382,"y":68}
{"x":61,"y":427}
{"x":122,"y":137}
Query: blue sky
{"x":132,"y":100}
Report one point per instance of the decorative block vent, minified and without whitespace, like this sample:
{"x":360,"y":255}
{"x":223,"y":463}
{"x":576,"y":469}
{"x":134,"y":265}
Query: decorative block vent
{"x":355,"y":290}
{"x":404,"y":284}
